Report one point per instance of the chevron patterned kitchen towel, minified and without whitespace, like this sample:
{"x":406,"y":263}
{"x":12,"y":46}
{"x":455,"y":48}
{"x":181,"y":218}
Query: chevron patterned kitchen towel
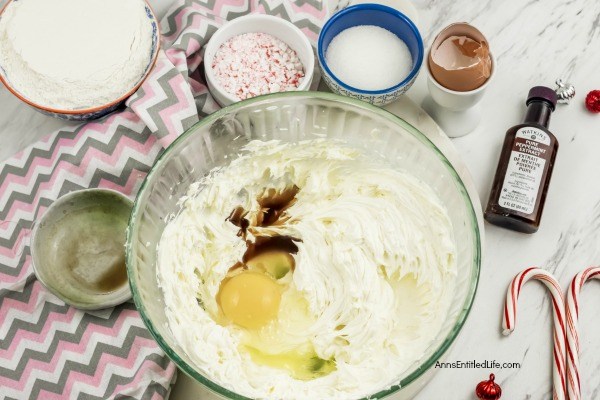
{"x":49,"y":350}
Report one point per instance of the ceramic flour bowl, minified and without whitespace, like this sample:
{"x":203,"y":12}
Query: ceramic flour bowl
{"x":292,"y":117}
{"x":383,"y":17}
{"x":89,"y":113}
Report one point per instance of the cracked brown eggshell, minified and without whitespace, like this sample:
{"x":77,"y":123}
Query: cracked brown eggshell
{"x":475,"y":65}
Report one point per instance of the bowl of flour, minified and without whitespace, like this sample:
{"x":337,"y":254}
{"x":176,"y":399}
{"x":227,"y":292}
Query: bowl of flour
{"x":76,"y":59}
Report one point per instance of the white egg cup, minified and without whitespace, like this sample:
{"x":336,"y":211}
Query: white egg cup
{"x":457,"y":113}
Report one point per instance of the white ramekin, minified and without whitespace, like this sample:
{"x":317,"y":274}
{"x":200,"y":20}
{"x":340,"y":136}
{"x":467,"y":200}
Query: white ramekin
{"x":275,"y":26}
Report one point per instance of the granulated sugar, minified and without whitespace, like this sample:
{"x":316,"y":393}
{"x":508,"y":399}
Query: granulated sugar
{"x":257,"y":63}
{"x":368,"y":57}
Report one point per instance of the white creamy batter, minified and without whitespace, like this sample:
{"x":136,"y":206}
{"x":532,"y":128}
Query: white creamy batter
{"x":376,"y":266}
{"x":74,"y":54}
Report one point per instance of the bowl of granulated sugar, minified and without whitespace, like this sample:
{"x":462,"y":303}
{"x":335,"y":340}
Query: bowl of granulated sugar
{"x":76,"y":59}
{"x":257,"y":54}
{"x":370,"y":52}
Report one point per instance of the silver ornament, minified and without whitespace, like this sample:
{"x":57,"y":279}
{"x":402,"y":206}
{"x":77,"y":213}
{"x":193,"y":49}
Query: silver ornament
{"x":564,"y":91}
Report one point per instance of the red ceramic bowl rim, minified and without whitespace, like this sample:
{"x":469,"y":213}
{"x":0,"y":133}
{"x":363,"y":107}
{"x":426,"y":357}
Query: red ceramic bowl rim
{"x":97,"y":108}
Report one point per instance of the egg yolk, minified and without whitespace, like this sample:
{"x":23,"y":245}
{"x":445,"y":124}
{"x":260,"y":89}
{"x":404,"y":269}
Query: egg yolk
{"x":250,"y":299}
{"x":276,"y":263}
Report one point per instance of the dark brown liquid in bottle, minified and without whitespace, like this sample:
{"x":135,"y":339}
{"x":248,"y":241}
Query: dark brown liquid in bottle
{"x":524,"y":170}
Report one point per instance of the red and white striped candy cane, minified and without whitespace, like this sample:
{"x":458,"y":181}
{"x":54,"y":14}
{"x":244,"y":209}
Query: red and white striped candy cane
{"x":573,"y":382}
{"x":558,"y":306}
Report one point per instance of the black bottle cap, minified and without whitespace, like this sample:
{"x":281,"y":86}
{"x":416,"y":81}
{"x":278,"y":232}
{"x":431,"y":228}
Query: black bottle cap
{"x":542,"y":93}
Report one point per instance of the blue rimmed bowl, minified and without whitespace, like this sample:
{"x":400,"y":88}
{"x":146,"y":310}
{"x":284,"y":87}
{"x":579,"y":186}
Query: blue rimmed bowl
{"x":383,"y":17}
{"x":90,"y":113}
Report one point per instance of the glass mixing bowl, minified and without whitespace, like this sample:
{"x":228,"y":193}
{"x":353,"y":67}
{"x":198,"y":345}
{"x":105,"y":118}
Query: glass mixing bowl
{"x":291,"y":117}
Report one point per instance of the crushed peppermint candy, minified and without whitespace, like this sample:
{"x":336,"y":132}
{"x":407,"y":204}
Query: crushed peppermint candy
{"x":252,"y":64}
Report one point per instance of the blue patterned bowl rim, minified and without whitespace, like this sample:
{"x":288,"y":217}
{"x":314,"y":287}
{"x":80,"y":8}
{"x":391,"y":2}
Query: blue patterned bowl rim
{"x":376,"y":7}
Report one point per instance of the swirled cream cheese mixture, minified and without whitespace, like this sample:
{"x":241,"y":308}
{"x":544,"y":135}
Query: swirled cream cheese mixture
{"x":307,"y":271}
{"x":74,"y":54}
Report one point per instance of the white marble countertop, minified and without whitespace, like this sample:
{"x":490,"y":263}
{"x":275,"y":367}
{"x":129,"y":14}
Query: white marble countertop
{"x":534,"y":43}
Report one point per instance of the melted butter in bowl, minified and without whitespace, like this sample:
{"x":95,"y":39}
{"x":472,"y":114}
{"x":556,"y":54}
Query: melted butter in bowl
{"x":78,"y":248}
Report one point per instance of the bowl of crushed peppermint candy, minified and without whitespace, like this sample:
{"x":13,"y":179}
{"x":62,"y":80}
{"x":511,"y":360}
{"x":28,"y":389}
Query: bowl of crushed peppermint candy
{"x":255,"y":55}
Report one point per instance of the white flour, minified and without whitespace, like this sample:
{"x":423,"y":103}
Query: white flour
{"x":73,"y":54}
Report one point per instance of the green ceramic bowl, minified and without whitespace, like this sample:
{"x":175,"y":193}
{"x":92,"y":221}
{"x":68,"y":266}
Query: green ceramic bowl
{"x":78,"y":248}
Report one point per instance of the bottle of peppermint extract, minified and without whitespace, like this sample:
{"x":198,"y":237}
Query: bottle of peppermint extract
{"x":523,"y":175}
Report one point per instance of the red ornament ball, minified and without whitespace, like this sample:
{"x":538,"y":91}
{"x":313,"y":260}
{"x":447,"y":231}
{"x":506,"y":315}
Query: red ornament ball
{"x":488,"y":390}
{"x":592,"y":101}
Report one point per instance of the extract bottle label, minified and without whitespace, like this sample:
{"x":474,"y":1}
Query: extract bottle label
{"x":525,"y":170}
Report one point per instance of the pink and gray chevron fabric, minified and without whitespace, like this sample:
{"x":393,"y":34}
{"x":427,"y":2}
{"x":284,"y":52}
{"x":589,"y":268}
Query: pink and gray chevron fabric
{"x":49,"y":350}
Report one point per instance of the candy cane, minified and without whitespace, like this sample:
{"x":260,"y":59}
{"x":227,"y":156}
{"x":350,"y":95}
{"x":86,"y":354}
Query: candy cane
{"x":572,"y":309}
{"x":510,"y":314}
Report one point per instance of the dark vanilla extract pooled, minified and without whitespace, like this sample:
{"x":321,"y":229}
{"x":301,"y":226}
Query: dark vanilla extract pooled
{"x":237,"y":218}
{"x":273,"y":205}
{"x":266,"y":250}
